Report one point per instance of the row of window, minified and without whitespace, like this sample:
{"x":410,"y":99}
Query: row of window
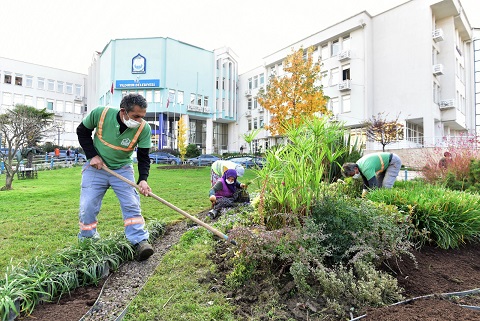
{"x":339,"y":105}
{"x":174,"y":96}
{"x":256,"y":123}
{"x":42,"y":83}
{"x":256,"y":81}
{"x":321,"y":52}
{"x":9,"y":99}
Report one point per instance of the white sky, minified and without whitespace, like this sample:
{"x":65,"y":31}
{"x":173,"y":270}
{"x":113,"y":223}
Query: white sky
{"x":65,"y":33}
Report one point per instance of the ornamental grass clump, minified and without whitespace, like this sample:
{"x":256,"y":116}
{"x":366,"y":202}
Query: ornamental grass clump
{"x":440,"y":216}
{"x":46,"y":278}
{"x":292,"y":174}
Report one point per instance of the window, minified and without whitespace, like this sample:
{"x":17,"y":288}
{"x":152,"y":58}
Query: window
{"x":335,"y":48}
{"x":255,"y":82}
{"x":324,"y":52}
{"x":29,"y":100}
{"x":149,"y":96}
{"x":156,"y":96}
{"x":78,"y":109}
{"x":255,"y":103}
{"x":262,"y":79}
{"x":41,"y":83}
{"x":49,"y":104}
{"x":414,"y":133}
{"x":324,"y":78}
{"x":69,"y":88}
{"x":7,"y":99}
{"x":335,"y":105}
{"x":192,"y":99}
{"x":346,"y":43}
{"x":260,"y":122}
{"x":60,"y":87}
{"x":29,"y":82}
{"x":68,"y":107}
{"x":18,"y":80}
{"x":50,"y":85}
{"x":40,"y":103}
{"x":17,"y":99}
{"x":216,"y":84}
{"x":249,"y":83}
{"x":249,"y":103}
{"x":223,"y":83}
{"x":78,"y":90}
{"x":59,"y":106}
{"x":199,"y":100}
{"x":346,"y":72}
{"x":220,"y":136}
{"x":436,"y":93}
{"x":255,"y":123}
{"x":250,"y":125}
{"x":346,"y":103}
{"x":180,"y":97}
{"x":334,"y":76}
{"x":205,"y":101}
{"x":7,"y":79}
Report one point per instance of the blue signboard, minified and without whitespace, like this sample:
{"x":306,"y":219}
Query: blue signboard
{"x":141,"y":83}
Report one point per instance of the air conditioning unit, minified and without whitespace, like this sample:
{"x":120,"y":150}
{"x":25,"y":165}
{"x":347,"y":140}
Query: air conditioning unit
{"x":78,"y":98}
{"x":438,"y":69}
{"x":344,"y":55}
{"x":344,"y":85}
{"x":248,"y":92}
{"x":447,"y":104}
{"x":260,"y":109}
{"x":248,"y":113}
{"x":437,"y":35}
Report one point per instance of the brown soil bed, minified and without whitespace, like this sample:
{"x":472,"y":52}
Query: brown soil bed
{"x":439,"y":271}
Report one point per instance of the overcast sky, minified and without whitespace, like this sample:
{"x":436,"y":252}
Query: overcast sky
{"x":65,"y":34}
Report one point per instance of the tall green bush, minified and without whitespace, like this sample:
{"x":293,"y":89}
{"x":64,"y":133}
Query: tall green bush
{"x":293,"y":172}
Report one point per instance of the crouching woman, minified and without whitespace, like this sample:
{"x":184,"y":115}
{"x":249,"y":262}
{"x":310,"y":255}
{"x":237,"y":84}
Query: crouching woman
{"x":227,"y":192}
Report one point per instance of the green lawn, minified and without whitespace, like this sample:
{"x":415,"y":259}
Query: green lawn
{"x":40,"y":215}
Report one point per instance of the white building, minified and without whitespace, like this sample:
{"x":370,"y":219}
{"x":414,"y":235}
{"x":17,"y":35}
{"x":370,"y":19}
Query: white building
{"x":59,"y":91}
{"x":414,"y":60}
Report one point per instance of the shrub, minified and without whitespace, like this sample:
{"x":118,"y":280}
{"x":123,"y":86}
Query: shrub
{"x":361,"y":229}
{"x":447,"y":218}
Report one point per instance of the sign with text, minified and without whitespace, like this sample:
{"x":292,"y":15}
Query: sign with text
{"x":141,"y":83}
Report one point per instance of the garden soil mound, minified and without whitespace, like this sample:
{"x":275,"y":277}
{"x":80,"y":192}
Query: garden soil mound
{"x":439,"y":271}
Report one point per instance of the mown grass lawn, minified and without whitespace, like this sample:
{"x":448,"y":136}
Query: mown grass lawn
{"x":40,"y":216}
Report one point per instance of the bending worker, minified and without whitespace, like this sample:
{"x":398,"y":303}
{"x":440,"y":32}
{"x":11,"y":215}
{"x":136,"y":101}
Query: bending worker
{"x":221,"y":166}
{"x":376,"y":170}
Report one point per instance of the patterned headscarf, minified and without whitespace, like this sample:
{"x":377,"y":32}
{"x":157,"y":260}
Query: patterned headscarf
{"x":230,"y":173}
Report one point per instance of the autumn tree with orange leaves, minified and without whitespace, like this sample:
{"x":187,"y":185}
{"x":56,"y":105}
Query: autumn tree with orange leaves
{"x":297,"y":94}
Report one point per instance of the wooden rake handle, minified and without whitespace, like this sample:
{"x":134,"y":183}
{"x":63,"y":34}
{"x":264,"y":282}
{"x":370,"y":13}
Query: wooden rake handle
{"x":173,"y":207}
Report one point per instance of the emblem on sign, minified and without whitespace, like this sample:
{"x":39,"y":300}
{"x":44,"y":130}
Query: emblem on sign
{"x":139,"y":64}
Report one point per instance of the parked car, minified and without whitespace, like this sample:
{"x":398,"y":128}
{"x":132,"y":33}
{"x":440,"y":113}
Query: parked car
{"x":203,"y":160}
{"x":248,"y":161}
{"x":164,"y":158}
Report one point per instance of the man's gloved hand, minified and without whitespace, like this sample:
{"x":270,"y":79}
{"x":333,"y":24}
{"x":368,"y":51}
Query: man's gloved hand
{"x":213,"y":199}
{"x":243,"y":186}
{"x":364,"y":192}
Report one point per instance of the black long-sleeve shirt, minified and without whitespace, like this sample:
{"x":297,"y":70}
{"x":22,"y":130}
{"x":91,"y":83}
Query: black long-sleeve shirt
{"x":86,"y":141}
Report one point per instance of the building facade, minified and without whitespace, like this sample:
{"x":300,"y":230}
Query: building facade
{"x":415,"y":61}
{"x":59,"y":91}
{"x":418,"y":61}
{"x":178,"y":80}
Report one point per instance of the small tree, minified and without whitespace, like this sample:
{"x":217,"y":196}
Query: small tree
{"x":295,"y":96}
{"x":250,"y":136}
{"x":182,"y":138}
{"x":383,"y":131}
{"x":19,"y":127}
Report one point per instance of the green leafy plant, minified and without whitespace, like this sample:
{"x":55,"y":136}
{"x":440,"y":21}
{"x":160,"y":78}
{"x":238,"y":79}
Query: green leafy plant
{"x":451,"y":218}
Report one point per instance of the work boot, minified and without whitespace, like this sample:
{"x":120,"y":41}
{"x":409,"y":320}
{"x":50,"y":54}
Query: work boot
{"x":143,"y":250}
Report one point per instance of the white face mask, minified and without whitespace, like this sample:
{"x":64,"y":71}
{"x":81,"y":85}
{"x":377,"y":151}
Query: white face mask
{"x":230,"y":182}
{"x":356,"y":176}
{"x":130,"y":123}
